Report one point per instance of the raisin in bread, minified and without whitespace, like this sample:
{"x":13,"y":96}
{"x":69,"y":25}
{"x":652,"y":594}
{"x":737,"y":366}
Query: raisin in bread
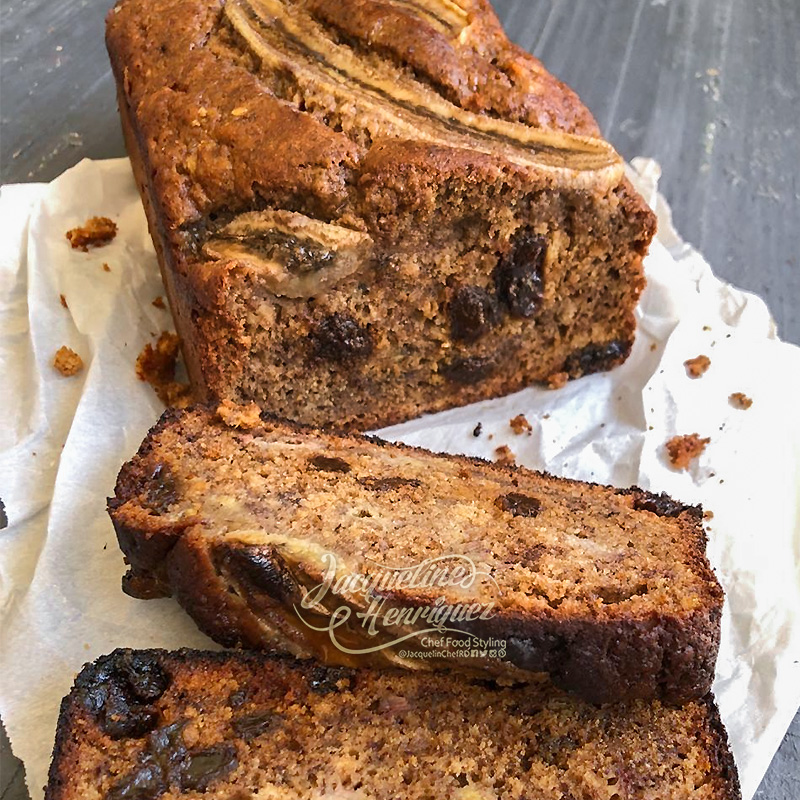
{"x":325,"y":546}
{"x":152,"y":724}
{"x":368,"y":209}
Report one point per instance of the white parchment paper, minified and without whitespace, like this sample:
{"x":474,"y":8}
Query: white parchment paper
{"x":62,"y":441}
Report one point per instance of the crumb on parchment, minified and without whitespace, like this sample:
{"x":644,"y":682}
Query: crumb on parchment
{"x":504,"y":456}
{"x":106,"y":268}
{"x":239,"y":416}
{"x":697,"y":366}
{"x":520,"y":425}
{"x":682,"y":450}
{"x":63,"y":301}
{"x":558,"y":380}
{"x":156,"y":366}
{"x":476,"y":431}
{"x":740,"y":400}
{"x":67,"y":362}
{"x":159,"y":303}
{"x":95,"y":232}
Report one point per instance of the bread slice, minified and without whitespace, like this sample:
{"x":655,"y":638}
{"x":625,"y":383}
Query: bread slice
{"x":270,"y":535}
{"x":364,"y":210}
{"x":152,"y":724}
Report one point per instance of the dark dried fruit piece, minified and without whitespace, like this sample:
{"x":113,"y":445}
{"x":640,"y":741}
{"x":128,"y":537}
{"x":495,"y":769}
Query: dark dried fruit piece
{"x":341,"y":339}
{"x":327,"y":680}
{"x":3,"y":517}
{"x":144,"y":676}
{"x":258,"y":567}
{"x":390,"y":484}
{"x":249,"y":726}
{"x":201,"y":769}
{"x":473,"y":312}
{"x":661,"y":504}
{"x":144,"y":783}
{"x":162,"y":493}
{"x":519,"y":276}
{"x":596,"y":358}
{"x":468,"y":370}
{"x":330,"y":464}
{"x":519,"y":505}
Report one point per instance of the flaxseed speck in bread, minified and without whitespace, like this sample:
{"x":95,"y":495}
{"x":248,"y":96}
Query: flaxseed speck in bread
{"x":365,"y":210}
{"x":153,"y":725}
{"x":607,"y":590}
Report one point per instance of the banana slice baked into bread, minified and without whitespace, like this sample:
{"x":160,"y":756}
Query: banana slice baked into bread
{"x":369,"y":209}
{"x":152,"y":724}
{"x":359,"y":552}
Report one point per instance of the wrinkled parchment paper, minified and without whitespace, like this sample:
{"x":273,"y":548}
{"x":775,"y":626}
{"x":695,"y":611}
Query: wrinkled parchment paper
{"x":62,"y":441}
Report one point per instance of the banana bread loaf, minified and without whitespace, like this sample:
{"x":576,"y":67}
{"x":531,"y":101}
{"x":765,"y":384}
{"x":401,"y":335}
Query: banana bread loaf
{"x":369,"y":209}
{"x":152,"y":724}
{"x":358,"y":552}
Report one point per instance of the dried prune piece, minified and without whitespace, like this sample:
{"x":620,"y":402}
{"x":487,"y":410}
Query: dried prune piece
{"x":341,"y":339}
{"x":201,"y":769}
{"x":519,"y":276}
{"x":326,"y":680}
{"x":262,"y":568}
{"x":144,"y":676}
{"x":597,"y":358}
{"x":661,"y":504}
{"x":468,"y":370}
{"x":519,"y":505}
{"x":248,"y":726}
{"x":390,"y":484}
{"x":144,"y":783}
{"x":473,"y":312}
{"x":329,"y":464}
{"x":161,"y":492}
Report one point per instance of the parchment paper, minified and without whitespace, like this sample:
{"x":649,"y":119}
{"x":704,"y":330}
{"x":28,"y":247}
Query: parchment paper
{"x":62,"y":441}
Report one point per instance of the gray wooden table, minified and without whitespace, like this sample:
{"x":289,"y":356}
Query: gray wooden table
{"x":710,"y":88}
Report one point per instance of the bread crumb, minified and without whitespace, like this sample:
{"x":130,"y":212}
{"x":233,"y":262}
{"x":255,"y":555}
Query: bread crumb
{"x":63,"y":301}
{"x":740,"y":400}
{"x":558,"y":380}
{"x":95,"y":232}
{"x":708,"y":514}
{"x":695,"y":367}
{"x":504,"y":456}
{"x":653,"y":347}
{"x":520,"y":425}
{"x":236,"y":416}
{"x":476,"y":431}
{"x":159,"y":302}
{"x":106,"y":268}
{"x":67,"y":362}
{"x":682,"y":450}
{"x":156,"y":366}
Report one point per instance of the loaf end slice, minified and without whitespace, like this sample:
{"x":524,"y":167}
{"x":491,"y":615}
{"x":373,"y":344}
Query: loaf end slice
{"x":154,"y":724}
{"x":359,"y":552}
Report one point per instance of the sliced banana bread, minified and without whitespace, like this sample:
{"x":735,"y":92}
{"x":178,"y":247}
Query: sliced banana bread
{"x":152,"y":724}
{"x":359,"y":552}
{"x":367,"y":209}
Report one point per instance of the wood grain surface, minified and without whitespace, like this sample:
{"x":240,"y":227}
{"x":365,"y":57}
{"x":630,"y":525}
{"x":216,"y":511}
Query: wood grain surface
{"x":710,"y":88}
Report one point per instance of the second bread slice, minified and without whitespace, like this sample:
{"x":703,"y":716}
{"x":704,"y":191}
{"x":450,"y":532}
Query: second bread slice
{"x":358,"y":552}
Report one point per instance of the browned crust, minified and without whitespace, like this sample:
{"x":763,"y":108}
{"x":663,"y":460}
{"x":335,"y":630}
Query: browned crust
{"x":602,"y":659}
{"x":75,"y":722}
